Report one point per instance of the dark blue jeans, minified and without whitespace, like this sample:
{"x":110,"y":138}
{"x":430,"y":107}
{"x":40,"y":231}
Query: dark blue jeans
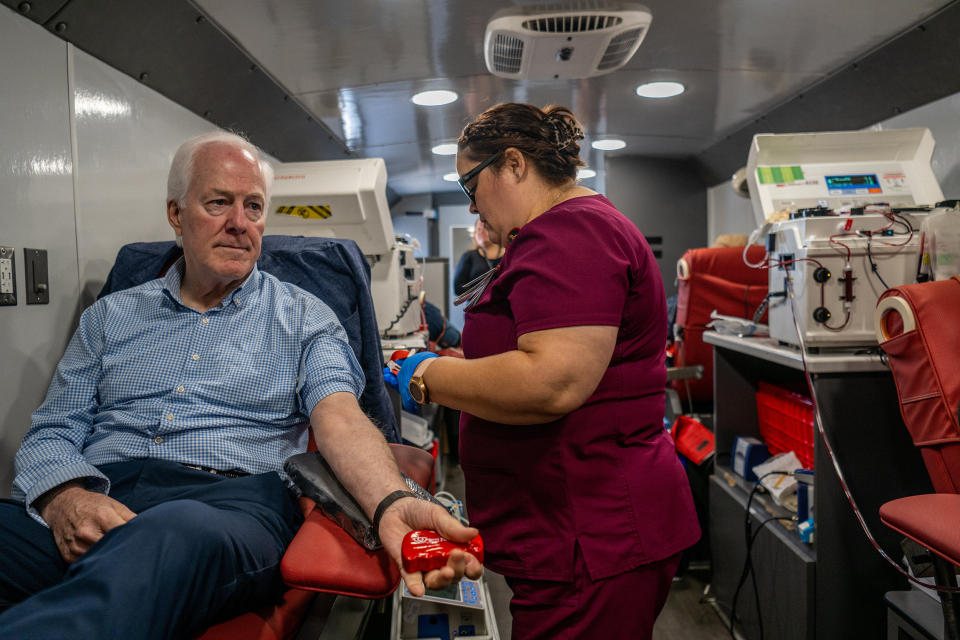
{"x":202,"y":548}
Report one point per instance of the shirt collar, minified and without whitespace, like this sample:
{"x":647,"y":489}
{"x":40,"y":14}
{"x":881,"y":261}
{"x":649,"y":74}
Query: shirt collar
{"x":173,"y":280}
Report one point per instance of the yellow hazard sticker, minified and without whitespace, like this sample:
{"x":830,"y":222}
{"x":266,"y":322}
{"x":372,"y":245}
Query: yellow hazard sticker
{"x":315,"y":212}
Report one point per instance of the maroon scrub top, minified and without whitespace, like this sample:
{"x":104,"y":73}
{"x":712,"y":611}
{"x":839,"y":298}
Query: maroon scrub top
{"x":605,"y":477}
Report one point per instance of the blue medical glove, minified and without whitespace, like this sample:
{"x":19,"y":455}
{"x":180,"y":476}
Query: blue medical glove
{"x":406,"y":372}
{"x":390,"y":377}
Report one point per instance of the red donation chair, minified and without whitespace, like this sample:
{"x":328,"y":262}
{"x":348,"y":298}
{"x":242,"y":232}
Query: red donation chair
{"x":916,"y":326}
{"x":711,"y":279}
{"x":323,"y":558}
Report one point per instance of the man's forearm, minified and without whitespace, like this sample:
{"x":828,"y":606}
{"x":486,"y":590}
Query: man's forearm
{"x":355,"y":450}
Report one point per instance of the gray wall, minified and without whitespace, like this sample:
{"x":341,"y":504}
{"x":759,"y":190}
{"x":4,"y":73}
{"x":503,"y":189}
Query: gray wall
{"x":84,"y":152}
{"x":663,"y":198}
{"x":942,"y":117}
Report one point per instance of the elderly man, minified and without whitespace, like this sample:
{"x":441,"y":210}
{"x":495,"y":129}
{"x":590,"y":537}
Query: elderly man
{"x":147,"y":500}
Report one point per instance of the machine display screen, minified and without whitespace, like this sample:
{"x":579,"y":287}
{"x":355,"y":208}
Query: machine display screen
{"x":867,"y":183}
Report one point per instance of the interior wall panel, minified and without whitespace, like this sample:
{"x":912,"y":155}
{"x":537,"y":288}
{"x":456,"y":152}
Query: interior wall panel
{"x":126,"y":137}
{"x":663,"y":198}
{"x":36,"y":172}
{"x":727,"y":212}
{"x":942,"y":117}
{"x":80,"y":203}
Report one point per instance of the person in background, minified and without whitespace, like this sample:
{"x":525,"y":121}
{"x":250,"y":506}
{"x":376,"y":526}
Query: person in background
{"x":148,"y":500}
{"x":484,"y":255}
{"x":570,"y":476}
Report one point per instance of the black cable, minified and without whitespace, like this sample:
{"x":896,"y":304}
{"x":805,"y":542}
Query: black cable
{"x":403,"y":311}
{"x":761,"y":309}
{"x":904,"y":221}
{"x":756,"y":593}
{"x":873,"y":265}
{"x":748,"y":563}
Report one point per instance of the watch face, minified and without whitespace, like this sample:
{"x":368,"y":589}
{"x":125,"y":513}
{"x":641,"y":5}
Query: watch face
{"x":416,"y":390}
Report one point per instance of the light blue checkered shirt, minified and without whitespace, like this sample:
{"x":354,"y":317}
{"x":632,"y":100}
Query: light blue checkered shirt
{"x":145,"y":376}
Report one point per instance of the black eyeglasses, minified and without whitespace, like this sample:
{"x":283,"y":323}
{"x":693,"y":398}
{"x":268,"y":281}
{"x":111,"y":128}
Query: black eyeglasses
{"x":473,"y":173}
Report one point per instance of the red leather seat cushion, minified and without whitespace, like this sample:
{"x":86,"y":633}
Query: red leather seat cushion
{"x":932,"y":520}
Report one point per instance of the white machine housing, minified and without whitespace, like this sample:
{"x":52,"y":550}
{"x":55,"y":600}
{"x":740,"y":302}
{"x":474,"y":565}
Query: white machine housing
{"x":839,"y":171}
{"x":348,"y":199}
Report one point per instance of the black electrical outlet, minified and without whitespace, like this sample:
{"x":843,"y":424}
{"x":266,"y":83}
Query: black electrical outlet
{"x":8,"y":277}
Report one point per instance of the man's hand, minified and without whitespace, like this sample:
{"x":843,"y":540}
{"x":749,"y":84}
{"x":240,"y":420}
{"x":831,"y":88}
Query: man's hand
{"x":78,"y":518}
{"x":409,"y":514}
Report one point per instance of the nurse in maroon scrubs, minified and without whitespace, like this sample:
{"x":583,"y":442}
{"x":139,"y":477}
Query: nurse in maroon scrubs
{"x":570,"y":476}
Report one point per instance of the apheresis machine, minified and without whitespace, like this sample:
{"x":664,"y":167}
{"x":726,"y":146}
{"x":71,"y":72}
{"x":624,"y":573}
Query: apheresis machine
{"x":840,"y":214}
{"x":347,"y":199}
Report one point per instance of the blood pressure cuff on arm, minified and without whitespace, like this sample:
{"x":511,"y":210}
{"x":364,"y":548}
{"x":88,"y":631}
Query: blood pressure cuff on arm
{"x":315,"y":479}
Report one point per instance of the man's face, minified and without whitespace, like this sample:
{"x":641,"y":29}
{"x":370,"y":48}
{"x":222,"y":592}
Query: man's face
{"x":223,"y":215}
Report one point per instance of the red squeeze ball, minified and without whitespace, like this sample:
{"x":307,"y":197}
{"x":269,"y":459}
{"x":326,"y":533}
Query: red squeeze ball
{"x":424,"y":550}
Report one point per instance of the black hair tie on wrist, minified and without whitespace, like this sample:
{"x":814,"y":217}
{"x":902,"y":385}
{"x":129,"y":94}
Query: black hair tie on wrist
{"x":385,"y":504}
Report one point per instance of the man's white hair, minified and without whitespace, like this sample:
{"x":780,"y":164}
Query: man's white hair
{"x":181,"y":169}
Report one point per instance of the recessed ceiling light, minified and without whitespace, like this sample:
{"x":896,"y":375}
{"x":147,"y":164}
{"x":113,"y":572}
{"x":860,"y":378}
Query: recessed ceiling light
{"x":660,"y":89}
{"x":608,"y":144}
{"x":434,"y":98}
{"x":451,"y":177}
{"x":586,"y":174}
{"x":446,"y":149}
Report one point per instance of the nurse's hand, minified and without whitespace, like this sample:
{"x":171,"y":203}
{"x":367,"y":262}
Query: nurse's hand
{"x":409,"y":514}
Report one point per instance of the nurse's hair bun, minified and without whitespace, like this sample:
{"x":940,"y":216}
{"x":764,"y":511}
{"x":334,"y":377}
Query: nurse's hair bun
{"x":548,"y":137}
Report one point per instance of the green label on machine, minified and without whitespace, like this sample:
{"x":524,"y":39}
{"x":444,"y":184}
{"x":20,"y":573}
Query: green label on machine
{"x":779,"y":175}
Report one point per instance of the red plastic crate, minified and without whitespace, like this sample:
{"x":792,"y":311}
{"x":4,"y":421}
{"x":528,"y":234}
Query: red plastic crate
{"x":786,"y":423}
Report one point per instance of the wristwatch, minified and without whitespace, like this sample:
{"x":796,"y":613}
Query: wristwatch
{"x":418,"y":390}
{"x":417,"y":387}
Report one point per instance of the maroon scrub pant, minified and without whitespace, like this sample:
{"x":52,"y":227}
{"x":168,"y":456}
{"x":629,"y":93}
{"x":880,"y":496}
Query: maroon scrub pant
{"x":623,"y":606}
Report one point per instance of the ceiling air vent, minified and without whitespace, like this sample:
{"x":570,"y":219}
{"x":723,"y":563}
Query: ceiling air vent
{"x":571,"y":23}
{"x":562,"y":42}
{"x":507,"y":53}
{"x":620,"y":49}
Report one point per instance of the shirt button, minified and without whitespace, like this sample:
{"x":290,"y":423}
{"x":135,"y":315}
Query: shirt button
{"x":195,"y":356}
{"x":205,"y":320}
{"x":158,"y":440}
{"x":169,"y":416}
{"x":180,"y":389}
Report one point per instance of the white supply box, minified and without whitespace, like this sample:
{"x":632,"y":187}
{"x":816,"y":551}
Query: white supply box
{"x":845,"y":242}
